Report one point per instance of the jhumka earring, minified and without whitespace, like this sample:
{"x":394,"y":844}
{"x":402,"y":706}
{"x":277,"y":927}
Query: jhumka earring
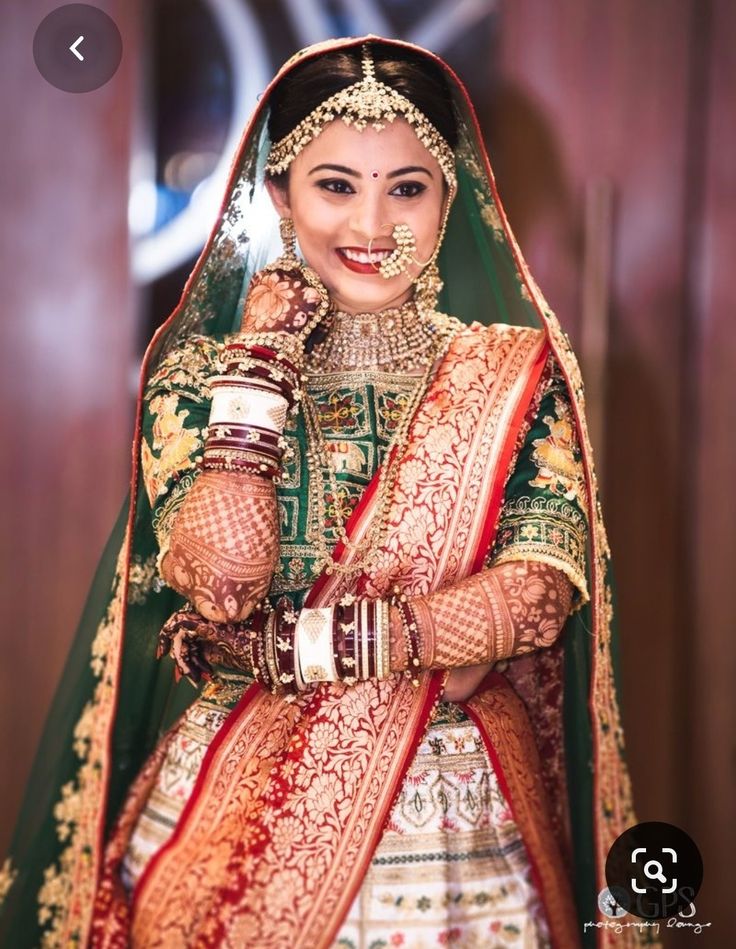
{"x":288,"y":237}
{"x":427,"y":288}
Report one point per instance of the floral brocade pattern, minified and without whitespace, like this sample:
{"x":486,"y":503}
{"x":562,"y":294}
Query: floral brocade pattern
{"x":309,"y":815}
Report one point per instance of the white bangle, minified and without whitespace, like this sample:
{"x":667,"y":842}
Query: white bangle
{"x":313,"y":648}
{"x":247,"y":405}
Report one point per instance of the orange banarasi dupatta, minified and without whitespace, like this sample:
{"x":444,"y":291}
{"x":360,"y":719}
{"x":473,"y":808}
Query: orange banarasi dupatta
{"x":292,"y":798}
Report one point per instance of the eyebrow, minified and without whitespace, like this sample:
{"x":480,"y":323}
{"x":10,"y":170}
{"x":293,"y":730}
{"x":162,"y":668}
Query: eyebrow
{"x":343,"y":169}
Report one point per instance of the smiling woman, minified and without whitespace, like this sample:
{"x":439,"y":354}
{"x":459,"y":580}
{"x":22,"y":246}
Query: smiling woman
{"x":370,"y":529}
{"x":345,"y":214}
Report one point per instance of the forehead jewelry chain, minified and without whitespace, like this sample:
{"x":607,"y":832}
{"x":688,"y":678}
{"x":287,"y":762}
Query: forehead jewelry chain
{"x":365,"y":102}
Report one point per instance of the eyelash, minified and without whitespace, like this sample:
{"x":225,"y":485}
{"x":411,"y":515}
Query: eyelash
{"x":416,"y":186}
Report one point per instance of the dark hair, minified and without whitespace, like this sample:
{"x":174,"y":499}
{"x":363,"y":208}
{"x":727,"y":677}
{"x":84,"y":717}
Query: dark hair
{"x":415,"y":76}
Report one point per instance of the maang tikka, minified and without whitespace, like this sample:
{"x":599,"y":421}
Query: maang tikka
{"x":366,"y":102}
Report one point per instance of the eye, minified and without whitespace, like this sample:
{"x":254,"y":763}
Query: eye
{"x":409,"y":189}
{"x":335,"y":185}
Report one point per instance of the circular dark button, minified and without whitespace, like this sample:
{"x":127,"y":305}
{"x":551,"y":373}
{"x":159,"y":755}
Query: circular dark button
{"x":654,"y":869}
{"x":77,"y":48}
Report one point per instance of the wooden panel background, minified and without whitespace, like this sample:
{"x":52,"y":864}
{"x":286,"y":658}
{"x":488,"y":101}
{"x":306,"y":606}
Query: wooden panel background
{"x":68,"y":344}
{"x":641,"y":97}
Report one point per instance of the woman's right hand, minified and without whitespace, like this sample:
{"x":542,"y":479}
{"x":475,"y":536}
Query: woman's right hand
{"x":280,"y":301}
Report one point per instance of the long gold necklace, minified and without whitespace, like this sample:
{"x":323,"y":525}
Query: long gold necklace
{"x":438,"y":330}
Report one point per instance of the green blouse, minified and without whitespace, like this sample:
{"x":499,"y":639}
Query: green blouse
{"x":543,"y":515}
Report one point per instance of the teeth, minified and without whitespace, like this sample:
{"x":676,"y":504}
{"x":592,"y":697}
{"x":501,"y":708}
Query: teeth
{"x":361,"y":257}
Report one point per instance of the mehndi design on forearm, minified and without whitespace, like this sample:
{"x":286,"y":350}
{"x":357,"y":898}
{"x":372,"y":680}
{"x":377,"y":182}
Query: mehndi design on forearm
{"x":224,"y":544}
{"x":503,"y":611}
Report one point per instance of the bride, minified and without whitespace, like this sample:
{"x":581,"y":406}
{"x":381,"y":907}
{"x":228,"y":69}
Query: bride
{"x":364,"y":526}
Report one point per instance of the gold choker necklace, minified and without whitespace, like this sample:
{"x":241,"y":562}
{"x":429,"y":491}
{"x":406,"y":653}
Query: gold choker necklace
{"x":399,"y":339}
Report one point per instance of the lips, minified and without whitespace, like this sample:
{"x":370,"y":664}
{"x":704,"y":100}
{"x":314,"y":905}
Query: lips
{"x":360,"y":261}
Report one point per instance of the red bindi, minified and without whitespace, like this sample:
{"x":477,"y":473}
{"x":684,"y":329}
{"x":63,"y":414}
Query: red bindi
{"x":374,"y":174}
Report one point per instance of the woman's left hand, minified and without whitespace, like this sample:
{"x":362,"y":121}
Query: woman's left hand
{"x":462,"y":683}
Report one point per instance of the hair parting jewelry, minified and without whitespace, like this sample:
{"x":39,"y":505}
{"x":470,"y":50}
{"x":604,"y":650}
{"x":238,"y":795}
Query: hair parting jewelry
{"x":363,"y":103}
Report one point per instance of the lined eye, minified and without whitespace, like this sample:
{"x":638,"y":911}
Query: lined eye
{"x":336,"y":185}
{"x":409,"y":189}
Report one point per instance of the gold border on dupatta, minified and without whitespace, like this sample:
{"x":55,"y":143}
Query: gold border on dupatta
{"x":67,"y":896}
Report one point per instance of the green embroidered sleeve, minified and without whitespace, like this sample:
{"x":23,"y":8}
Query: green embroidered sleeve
{"x":544,"y":516}
{"x":176,"y":409}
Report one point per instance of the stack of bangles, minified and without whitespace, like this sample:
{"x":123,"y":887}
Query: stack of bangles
{"x":289,"y":651}
{"x":250,"y":402}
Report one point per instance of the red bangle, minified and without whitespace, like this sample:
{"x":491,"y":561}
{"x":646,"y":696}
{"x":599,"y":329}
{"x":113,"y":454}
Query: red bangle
{"x":284,"y":636}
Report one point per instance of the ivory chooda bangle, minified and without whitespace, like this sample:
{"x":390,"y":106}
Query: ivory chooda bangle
{"x":313,"y":638}
{"x":247,"y":405}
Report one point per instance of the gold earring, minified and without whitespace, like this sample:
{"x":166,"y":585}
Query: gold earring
{"x":427,"y":288}
{"x":288,"y":238}
{"x":428,"y":285}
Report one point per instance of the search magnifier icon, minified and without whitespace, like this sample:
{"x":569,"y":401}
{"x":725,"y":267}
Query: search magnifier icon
{"x":657,"y":873}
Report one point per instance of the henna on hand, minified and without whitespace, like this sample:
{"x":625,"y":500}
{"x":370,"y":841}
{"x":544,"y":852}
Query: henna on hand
{"x":224,"y":544}
{"x":503,"y":611}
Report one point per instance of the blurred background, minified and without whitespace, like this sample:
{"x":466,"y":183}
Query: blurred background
{"x":610,"y":126}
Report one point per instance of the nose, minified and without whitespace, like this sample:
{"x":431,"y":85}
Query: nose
{"x":368,"y":217}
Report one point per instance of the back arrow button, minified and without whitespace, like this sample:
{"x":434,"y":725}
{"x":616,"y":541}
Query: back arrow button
{"x":74,"y":49}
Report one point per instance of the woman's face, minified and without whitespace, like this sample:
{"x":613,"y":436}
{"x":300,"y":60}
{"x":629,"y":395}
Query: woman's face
{"x":347,"y":188}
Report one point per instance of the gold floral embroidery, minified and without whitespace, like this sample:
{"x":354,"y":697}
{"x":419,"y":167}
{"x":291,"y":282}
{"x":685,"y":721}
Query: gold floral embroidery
{"x":176,"y":445}
{"x":7,"y":878}
{"x":141,"y":578}
{"x":547,"y":530}
{"x":189,"y":367}
{"x":488,"y":209}
{"x":67,"y":894}
{"x":556,"y":456}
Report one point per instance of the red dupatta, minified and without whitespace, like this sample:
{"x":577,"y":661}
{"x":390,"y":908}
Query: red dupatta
{"x":292,"y":798}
